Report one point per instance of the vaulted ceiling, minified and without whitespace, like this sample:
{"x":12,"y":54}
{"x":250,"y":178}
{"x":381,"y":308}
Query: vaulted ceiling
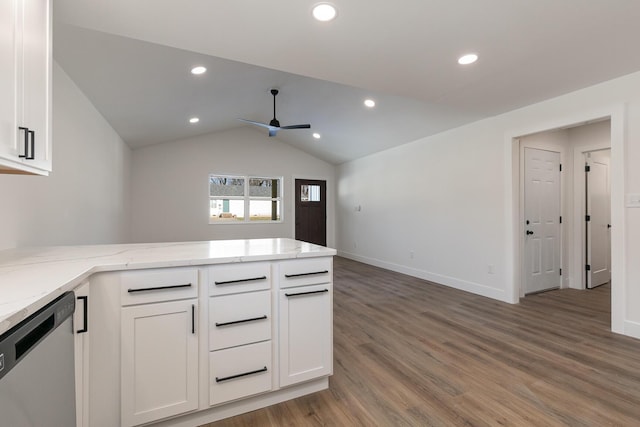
{"x":132,"y":59}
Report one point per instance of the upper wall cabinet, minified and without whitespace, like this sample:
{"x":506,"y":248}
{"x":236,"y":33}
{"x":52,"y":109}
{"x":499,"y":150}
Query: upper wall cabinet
{"x":25,"y":85}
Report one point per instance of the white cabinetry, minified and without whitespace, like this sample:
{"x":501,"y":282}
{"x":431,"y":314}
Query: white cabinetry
{"x":159,"y":344}
{"x":25,"y":84}
{"x":239,"y":331}
{"x":81,"y":330}
{"x":305,"y":303}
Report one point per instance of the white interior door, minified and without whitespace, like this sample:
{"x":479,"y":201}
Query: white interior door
{"x":598,"y":237}
{"x":542,"y":220}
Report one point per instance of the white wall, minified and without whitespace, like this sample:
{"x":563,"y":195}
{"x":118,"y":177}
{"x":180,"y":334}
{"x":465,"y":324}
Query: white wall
{"x":449,"y":199}
{"x":85,"y":200}
{"x":170,"y":185}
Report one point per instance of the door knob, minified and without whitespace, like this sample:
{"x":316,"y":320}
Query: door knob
{"x":529,"y":232}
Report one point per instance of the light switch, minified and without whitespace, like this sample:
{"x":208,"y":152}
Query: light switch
{"x":633,"y":200}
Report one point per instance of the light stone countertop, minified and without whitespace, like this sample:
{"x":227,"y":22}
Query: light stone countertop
{"x":32,"y":277}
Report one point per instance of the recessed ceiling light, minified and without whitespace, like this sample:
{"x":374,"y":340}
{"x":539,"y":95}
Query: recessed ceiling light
{"x":324,"y":12}
{"x":198,"y":70}
{"x":468,"y":59}
{"x":316,"y":135}
{"x":369,"y":103}
{"x":194,"y":120}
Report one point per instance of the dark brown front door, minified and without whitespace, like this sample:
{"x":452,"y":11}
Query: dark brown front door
{"x":311,"y":211}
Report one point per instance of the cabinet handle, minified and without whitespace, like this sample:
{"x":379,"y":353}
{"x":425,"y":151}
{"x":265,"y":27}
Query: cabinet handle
{"x":158,"y":288}
{"x":232,"y":377}
{"x":307,"y":293}
{"x":288,"y":276}
{"x":85,"y":315}
{"x":26,"y":142}
{"x":193,"y":318}
{"x":252,"y":279}
{"x":33,"y":145}
{"x":235,"y":322}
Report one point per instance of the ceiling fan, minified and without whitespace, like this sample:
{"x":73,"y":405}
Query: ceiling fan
{"x":274,"y":124}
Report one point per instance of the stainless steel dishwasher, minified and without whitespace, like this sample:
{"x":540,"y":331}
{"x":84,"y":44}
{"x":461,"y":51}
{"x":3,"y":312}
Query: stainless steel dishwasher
{"x":36,"y":368}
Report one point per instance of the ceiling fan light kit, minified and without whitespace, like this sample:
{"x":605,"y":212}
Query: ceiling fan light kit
{"x":274,"y":124}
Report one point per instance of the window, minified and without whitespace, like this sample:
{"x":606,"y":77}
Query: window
{"x":242,"y":199}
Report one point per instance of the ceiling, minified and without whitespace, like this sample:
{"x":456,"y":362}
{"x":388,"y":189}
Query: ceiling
{"x":132,"y":59}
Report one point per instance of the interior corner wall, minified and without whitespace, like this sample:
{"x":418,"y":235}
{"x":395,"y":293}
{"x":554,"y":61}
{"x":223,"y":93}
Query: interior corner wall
{"x":441,"y":207}
{"x":170,"y":190}
{"x":85,"y":200}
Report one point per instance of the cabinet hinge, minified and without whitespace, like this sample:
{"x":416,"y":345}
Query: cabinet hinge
{"x":587,"y":218}
{"x":587,"y":267}
{"x":587,"y":168}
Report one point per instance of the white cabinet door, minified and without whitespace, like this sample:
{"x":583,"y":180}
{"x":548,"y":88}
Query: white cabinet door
{"x":81,"y":330}
{"x":159,"y":376}
{"x":306,"y":333}
{"x":8,"y":19}
{"x":25,"y":79}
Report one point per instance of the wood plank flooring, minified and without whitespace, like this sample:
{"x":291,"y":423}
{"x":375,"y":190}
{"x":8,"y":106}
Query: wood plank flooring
{"x":413,"y":353}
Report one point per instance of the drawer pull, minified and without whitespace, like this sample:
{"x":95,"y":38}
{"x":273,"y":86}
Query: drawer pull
{"x":289,"y":276}
{"x":159,"y":288}
{"x":232,"y":377}
{"x":235,"y":322}
{"x":307,"y":293}
{"x":252,"y":279}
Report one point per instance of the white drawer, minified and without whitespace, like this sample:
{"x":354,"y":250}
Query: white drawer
{"x":239,"y":319}
{"x":239,"y":372}
{"x":158,"y":284}
{"x":302,"y":272}
{"x":240,"y":277}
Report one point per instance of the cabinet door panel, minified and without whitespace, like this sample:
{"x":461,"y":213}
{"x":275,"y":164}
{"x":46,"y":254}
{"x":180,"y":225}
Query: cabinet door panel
{"x":306,"y":333}
{"x":159,"y":361}
{"x":7,"y":78}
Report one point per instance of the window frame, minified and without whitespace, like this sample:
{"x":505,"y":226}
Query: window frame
{"x":247,"y":198}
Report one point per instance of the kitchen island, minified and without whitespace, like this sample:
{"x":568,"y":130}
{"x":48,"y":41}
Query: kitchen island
{"x":186,"y":333}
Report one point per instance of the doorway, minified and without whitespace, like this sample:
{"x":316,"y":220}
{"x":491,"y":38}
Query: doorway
{"x":311,"y":211}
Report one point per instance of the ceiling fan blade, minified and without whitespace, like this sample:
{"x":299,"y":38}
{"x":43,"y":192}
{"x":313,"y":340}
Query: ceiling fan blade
{"x":264,"y":125}
{"x":307,"y":126}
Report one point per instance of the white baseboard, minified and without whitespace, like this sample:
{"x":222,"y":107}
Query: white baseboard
{"x":463,"y":285}
{"x":631,"y":329}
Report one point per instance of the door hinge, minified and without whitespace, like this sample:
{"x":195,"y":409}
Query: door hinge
{"x":587,"y":168}
{"x":561,"y":272}
{"x":587,"y":218}
{"x":560,"y":219}
{"x":587,"y":267}
{"x":560,"y":167}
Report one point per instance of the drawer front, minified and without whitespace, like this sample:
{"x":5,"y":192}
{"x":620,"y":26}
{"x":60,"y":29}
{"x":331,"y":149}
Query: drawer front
{"x":156,"y":285}
{"x":239,"y":319}
{"x":304,"y":272}
{"x":239,"y":372}
{"x":240,"y":277}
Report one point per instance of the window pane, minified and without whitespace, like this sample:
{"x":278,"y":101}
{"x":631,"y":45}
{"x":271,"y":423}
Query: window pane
{"x":220,"y":186}
{"x":310,"y":193}
{"x":264,"y":187}
{"x":226,"y":210}
{"x":264,"y":210}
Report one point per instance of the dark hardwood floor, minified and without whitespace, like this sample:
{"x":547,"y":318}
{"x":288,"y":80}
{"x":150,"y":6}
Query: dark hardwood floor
{"x":413,"y":353}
